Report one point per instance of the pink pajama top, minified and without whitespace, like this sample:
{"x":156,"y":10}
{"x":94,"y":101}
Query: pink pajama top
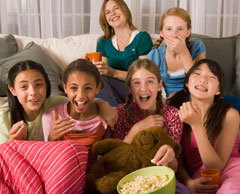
{"x":84,"y":132}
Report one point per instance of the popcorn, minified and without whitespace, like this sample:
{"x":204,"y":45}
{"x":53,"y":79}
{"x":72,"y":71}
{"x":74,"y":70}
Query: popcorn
{"x":144,"y":184}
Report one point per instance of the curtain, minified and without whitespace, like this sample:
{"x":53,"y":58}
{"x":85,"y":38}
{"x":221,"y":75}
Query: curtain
{"x":61,"y":18}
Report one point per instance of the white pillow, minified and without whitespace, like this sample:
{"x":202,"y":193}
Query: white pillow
{"x":64,"y":50}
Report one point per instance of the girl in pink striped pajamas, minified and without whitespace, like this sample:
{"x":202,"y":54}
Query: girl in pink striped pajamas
{"x":36,"y":166}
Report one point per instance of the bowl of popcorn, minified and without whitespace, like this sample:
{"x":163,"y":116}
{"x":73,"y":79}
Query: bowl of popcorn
{"x":149,"y":180}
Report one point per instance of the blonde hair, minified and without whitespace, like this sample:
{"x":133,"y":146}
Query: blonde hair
{"x":107,"y":29}
{"x":179,"y":12}
{"x":151,"y":67}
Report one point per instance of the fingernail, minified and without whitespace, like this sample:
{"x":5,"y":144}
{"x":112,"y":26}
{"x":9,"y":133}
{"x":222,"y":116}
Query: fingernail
{"x":153,"y":161}
{"x":71,"y":119}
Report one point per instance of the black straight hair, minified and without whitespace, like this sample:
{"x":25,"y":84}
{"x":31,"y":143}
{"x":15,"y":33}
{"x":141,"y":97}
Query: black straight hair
{"x":217,"y":111}
{"x":15,"y":108}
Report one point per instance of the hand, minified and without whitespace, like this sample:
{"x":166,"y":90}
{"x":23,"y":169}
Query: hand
{"x":176,"y":44}
{"x":191,"y":114}
{"x":108,"y":113}
{"x":60,"y":126}
{"x":104,"y":69}
{"x":85,"y":56}
{"x":164,"y":156}
{"x":150,"y":121}
{"x":18,"y":131}
{"x":110,"y":119}
{"x":197,"y":185}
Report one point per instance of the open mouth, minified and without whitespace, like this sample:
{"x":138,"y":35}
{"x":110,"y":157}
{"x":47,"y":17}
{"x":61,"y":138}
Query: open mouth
{"x":115,"y":19}
{"x":33,"y":101}
{"x":201,"y":88}
{"x":81,"y":104}
{"x":144,"y":98}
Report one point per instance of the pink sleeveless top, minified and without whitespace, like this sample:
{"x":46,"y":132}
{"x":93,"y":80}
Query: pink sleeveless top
{"x":192,"y":156}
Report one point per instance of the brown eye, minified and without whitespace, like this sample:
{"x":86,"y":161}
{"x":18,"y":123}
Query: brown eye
{"x":155,"y":141}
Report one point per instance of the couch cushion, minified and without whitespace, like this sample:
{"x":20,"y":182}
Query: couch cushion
{"x":223,"y":51}
{"x":63,"y":50}
{"x":8,"y":46}
{"x":35,"y":53}
{"x":237,"y":81}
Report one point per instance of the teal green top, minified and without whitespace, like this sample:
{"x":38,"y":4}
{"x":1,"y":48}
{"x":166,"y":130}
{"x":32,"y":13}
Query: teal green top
{"x":121,"y":60}
{"x":35,"y":131}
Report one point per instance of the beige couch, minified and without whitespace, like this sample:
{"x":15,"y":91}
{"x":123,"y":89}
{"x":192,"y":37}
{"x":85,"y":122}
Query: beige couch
{"x":226,"y":51}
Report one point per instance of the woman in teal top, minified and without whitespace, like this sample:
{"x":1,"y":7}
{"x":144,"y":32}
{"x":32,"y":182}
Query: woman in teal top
{"x":121,"y":60}
{"x":121,"y":45}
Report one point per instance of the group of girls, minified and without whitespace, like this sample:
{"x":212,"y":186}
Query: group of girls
{"x":195,"y":113}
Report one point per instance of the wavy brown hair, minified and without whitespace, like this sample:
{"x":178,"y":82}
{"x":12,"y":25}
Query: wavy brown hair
{"x":179,"y":12}
{"x":107,"y":29}
{"x":151,"y":67}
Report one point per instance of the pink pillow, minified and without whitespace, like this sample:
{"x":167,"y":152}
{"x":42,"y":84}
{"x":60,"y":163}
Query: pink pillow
{"x":43,"y":167}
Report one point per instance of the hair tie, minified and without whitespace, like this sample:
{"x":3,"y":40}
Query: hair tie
{"x":184,"y":90}
{"x":221,"y":97}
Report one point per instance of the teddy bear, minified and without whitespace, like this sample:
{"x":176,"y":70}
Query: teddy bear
{"x":119,"y":158}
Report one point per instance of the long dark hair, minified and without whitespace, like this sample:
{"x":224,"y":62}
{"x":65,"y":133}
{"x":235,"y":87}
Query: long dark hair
{"x":151,"y":67}
{"x":217,"y":111}
{"x":15,"y":108}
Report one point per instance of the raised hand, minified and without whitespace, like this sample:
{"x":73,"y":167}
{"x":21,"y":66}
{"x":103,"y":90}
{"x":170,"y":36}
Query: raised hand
{"x":18,"y":131}
{"x":191,"y":114}
{"x":60,"y":126}
{"x":176,"y":44}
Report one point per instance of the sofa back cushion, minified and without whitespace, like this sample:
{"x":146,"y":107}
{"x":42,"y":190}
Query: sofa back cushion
{"x":236,"y":88}
{"x":31,"y":52}
{"x":64,"y":50}
{"x":222,"y":50}
{"x":8,"y":46}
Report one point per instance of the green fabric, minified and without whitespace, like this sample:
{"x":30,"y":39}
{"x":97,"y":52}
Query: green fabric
{"x":8,"y":46}
{"x":31,"y":52}
{"x":223,"y":51}
{"x":121,"y":60}
{"x":35,"y":132}
{"x":237,"y":81}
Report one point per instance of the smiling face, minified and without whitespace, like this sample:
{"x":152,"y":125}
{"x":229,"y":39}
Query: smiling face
{"x":202,"y":83}
{"x":173,"y":26}
{"x":81,"y":89}
{"x":30,"y":90}
{"x":144,"y":88}
{"x":114,"y":14}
